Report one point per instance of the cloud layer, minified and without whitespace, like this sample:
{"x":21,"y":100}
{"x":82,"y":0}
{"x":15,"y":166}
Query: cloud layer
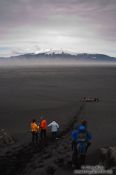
{"x":76,"y":25}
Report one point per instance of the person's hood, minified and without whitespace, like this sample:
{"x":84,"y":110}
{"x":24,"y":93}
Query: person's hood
{"x":82,"y":128}
{"x":54,"y":122}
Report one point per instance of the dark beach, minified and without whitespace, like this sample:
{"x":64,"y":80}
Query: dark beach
{"x":56,"y":91}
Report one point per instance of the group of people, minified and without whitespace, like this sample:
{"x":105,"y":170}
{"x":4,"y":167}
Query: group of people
{"x":40,"y":129}
{"x":81,"y":138}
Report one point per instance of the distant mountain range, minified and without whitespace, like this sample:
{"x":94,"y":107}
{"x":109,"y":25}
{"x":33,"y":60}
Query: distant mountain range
{"x":61,"y":55}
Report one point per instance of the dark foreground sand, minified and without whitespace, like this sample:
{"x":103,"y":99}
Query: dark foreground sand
{"x":25,"y":92}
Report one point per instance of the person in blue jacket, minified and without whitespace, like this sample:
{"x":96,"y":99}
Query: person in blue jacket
{"x":81,"y":140}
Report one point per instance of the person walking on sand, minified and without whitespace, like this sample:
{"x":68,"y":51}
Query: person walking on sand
{"x":84,"y":123}
{"x":76,"y":129}
{"x":54,"y":129}
{"x":81,"y":139}
{"x":43,"y":127}
{"x":34,"y":130}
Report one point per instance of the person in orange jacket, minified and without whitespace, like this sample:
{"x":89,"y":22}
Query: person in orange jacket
{"x":34,"y":130}
{"x":43,"y":128}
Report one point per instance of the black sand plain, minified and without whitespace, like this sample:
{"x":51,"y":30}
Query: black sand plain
{"x":25,"y":92}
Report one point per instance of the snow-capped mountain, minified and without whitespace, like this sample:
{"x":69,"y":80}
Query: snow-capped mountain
{"x":54,"y":52}
{"x":60,"y":55}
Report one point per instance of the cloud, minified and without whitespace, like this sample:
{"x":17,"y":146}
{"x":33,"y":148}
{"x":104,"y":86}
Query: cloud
{"x":51,"y":21}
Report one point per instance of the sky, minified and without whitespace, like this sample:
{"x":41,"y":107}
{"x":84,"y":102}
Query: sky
{"x":82,"y":26}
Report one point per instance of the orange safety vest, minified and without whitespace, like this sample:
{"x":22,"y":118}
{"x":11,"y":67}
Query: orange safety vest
{"x":34,"y":127}
{"x":43,"y":124}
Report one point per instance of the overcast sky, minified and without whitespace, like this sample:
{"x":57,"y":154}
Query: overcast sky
{"x":75,"y":25}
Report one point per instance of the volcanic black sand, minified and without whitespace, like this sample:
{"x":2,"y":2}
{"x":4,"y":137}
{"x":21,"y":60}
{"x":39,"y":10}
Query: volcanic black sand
{"x":26,"y":92}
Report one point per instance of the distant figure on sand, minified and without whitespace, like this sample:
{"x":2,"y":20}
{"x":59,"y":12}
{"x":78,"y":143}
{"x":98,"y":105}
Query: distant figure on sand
{"x":81,"y":140}
{"x":43,"y":127}
{"x":54,"y":129}
{"x":34,"y":130}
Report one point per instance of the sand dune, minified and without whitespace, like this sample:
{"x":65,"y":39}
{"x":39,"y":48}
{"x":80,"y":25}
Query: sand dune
{"x":26,"y":92}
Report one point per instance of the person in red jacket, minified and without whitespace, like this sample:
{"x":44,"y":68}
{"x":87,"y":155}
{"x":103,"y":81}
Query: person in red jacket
{"x":43,"y":128}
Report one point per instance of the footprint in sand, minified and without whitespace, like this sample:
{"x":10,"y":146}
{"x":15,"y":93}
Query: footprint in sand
{"x":47,"y":156}
{"x":50,"y":170}
{"x":40,"y":165}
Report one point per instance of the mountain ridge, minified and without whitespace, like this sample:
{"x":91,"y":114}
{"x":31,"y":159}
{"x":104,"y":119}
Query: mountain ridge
{"x":61,"y":55}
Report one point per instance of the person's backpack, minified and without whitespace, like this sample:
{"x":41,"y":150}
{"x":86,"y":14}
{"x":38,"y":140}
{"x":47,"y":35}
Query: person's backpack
{"x":82,"y":143}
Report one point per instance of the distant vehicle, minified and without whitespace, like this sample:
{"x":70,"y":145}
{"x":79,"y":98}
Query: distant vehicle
{"x":89,"y":99}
